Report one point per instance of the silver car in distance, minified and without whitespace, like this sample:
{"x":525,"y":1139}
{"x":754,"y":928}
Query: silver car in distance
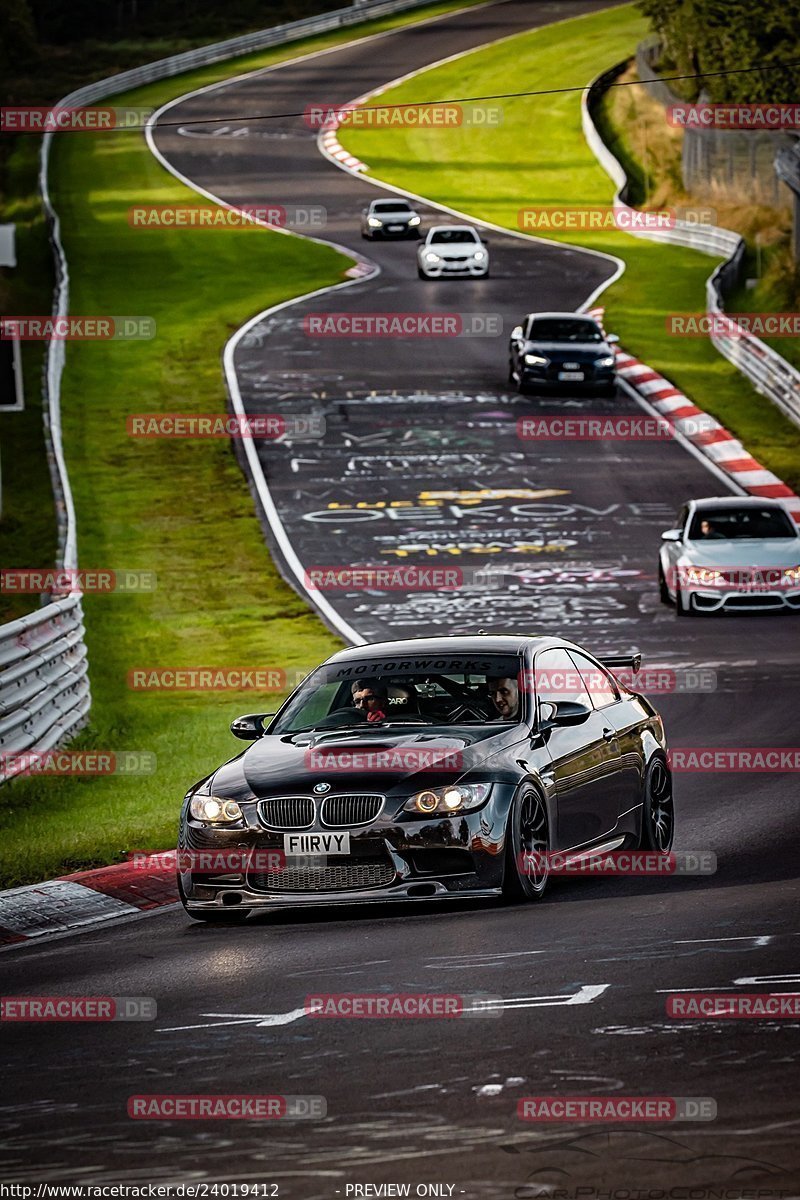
{"x":452,"y":250}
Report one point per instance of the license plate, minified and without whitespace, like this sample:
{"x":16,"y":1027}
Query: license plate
{"x":570,"y":374}
{"x":315,"y":843}
{"x":395,"y":228}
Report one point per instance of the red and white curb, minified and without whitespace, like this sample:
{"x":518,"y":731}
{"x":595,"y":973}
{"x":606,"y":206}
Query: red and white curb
{"x":86,"y":898}
{"x":703,"y":431}
{"x":332,"y":146}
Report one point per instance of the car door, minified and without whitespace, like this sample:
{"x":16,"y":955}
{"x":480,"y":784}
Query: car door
{"x":673,"y":550}
{"x":619,"y":713}
{"x":583,"y":757}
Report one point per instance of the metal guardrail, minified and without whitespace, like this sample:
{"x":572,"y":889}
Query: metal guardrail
{"x":769,"y":373}
{"x":44,"y":683}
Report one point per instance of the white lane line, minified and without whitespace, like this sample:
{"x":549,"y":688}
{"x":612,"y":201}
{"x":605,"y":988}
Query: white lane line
{"x":762,"y":939}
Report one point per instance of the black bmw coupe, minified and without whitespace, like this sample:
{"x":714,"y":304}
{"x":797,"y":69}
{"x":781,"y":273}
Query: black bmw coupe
{"x":428,"y":769}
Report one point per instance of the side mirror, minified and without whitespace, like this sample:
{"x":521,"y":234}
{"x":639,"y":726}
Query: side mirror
{"x":485,"y":241}
{"x":564,"y":712}
{"x":672,"y":535}
{"x":516,"y":333}
{"x":612,"y":338}
{"x":249,"y":727}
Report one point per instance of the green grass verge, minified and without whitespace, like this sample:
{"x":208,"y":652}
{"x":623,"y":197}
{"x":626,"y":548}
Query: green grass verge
{"x":181,"y":509}
{"x":538,"y":156}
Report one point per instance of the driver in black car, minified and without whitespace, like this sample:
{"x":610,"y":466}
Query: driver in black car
{"x":504,"y":694}
{"x":373,"y":699}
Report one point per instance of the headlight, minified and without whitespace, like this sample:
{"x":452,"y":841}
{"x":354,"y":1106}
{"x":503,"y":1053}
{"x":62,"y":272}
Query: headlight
{"x":705,"y":576}
{"x":791,"y":574}
{"x":461,"y":797}
{"x":414,"y":220}
{"x":536,"y":360}
{"x":374,"y":222}
{"x":214,"y":809}
{"x":479,"y":255}
{"x":431,"y":257}
{"x":606,"y":361}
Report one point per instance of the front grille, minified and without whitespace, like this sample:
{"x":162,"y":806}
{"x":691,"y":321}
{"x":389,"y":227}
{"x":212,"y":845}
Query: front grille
{"x":287,"y":812}
{"x":340,"y":812}
{"x":350,"y":875}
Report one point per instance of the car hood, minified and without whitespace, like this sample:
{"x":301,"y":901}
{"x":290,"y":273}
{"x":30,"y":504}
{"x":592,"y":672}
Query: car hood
{"x":400,"y":215}
{"x":459,"y":250}
{"x":743,"y":552}
{"x":580,"y":351}
{"x":400,"y":760}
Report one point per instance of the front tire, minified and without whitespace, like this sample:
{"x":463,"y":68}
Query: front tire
{"x":663,"y":590}
{"x":683,"y":607}
{"x":658,"y":809}
{"x":527,"y":841}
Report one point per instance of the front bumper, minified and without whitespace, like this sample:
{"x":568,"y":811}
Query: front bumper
{"x":460,"y":267}
{"x":391,"y":860}
{"x":742,"y":600}
{"x":392,"y":234}
{"x":593,"y":378}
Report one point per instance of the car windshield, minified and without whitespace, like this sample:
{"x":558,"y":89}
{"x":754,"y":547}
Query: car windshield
{"x":553,"y":329}
{"x":710,"y":524}
{"x":454,"y":236}
{"x":424,"y":690}
{"x":390,"y":206}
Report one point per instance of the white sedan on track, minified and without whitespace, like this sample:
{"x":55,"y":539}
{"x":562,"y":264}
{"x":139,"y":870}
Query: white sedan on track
{"x":452,"y":250}
{"x":731,"y":553}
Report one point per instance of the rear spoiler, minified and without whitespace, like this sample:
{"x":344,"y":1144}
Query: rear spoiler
{"x":615,"y":661}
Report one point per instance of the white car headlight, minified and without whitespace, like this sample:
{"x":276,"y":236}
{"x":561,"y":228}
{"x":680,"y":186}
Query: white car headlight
{"x":479,"y":255}
{"x":461,"y":797}
{"x":431,"y":257}
{"x":704,"y":576}
{"x":374,"y":222}
{"x":606,"y":361}
{"x":214,"y":809}
{"x":414,"y":220}
{"x":536,"y":360}
{"x":792,"y":574}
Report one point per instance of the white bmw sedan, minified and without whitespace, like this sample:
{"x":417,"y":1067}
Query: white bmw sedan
{"x":731,"y":553}
{"x":452,"y":250}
